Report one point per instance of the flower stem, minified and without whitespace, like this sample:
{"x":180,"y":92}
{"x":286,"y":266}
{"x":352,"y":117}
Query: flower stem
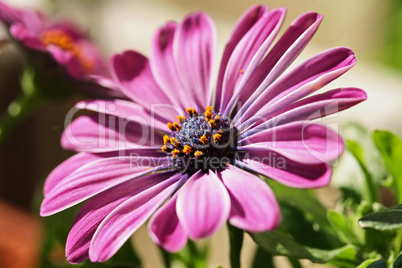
{"x":236,"y":243}
{"x":20,"y":108}
{"x":166,"y":257}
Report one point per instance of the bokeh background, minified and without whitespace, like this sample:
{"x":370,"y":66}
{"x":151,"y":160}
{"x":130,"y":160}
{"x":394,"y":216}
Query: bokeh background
{"x":371,"y":28}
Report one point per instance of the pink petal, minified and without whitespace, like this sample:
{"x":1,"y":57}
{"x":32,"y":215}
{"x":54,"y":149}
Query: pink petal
{"x":194,"y":51}
{"x":66,"y":168}
{"x":286,"y":171}
{"x":285,"y":51}
{"x":92,"y":52}
{"x":71,"y":29}
{"x":97,"y":208}
{"x":203,"y":205}
{"x":253,"y":204}
{"x":132,"y":71}
{"x":124,"y":220}
{"x":311,"y":108}
{"x":34,"y":20}
{"x":96,"y":177}
{"x":164,"y":67}
{"x":165,"y":228}
{"x":101,"y":133}
{"x":248,"y":54}
{"x":68,"y":60}
{"x":247,"y":20}
{"x":21,"y":33}
{"x":302,"y":141}
{"x":124,"y":109}
{"x":301,"y":81}
{"x":9,"y":15}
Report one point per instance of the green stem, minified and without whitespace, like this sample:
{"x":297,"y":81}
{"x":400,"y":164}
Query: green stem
{"x":166,"y":257}
{"x":28,"y":101}
{"x":295,"y":262}
{"x":236,"y":243}
{"x":398,"y":242}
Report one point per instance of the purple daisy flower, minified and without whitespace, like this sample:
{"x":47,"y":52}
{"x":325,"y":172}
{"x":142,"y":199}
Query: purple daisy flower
{"x":191,"y":176}
{"x":66,"y":43}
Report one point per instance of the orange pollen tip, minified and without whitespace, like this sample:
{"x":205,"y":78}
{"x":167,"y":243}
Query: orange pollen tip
{"x":220,"y":131}
{"x":207,"y":114}
{"x":217,"y":137}
{"x":181,"y":118}
{"x":164,"y":148}
{"x":175,"y":152}
{"x":198,"y":154}
{"x":187,"y":149}
{"x":211,"y":122}
{"x":64,"y":41}
{"x":176,"y":125}
{"x":241,"y":71}
{"x":204,"y":139}
{"x":190,"y":111}
{"x":170,"y":126}
{"x":148,"y":168}
{"x":172,"y":141}
{"x":227,"y":164}
{"x":217,"y":117}
{"x":166,"y":139}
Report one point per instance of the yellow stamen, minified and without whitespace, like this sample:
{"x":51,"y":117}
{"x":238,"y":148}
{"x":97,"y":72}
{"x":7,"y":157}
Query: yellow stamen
{"x":175,"y":152}
{"x":166,"y":139}
{"x":190,"y":111}
{"x":176,"y":126}
{"x":208,"y":112}
{"x":181,"y":118}
{"x":217,"y":137}
{"x":198,"y":154}
{"x":170,"y":126}
{"x":204,"y":139}
{"x":217,"y":117}
{"x":164,"y":148}
{"x":172,"y":141}
{"x":241,"y":71}
{"x":212,"y":123}
{"x":187,"y":149}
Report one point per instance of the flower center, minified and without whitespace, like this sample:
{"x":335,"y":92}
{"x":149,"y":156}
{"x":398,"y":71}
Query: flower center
{"x":200,"y":141}
{"x":66,"y":42}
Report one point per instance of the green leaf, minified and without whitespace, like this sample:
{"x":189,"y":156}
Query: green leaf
{"x":378,"y":264}
{"x":306,"y":232}
{"x":390,"y":147}
{"x":348,"y":176}
{"x":278,"y":243}
{"x":367,"y":263}
{"x":342,"y":226}
{"x":398,"y":261}
{"x":389,"y":219}
{"x":371,"y":190}
{"x":303,"y":199}
{"x":262,"y":259}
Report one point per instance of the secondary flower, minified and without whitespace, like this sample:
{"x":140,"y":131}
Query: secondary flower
{"x":193,"y":175}
{"x":67,"y":45}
